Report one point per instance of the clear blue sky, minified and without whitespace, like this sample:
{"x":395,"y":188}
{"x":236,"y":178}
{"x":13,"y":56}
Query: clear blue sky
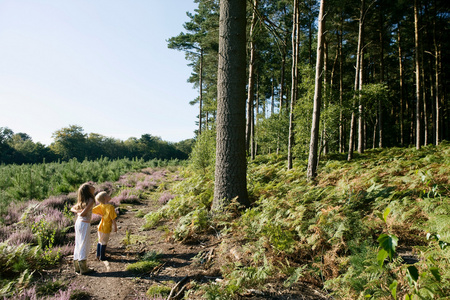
{"x":101,"y":64}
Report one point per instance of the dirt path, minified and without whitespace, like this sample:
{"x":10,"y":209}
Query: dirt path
{"x":176,"y":263}
{"x":118,"y":283}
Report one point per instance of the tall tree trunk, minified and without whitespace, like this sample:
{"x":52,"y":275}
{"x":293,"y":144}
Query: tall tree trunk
{"x":361,"y":110}
{"x":200,"y":97}
{"x":283,"y":67}
{"x":325,"y":91}
{"x":357,"y":81}
{"x":313,"y":155}
{"x":418,"y":83}
{"x":341,"y":91}
{"x":380,"y":107}
{"x":437,"y":74}
{"x":295,"y":35}
{"x":231,"y":163}
{"x":401,"y":88}
{"x":251,"y":82}
{"x":437,"y":54}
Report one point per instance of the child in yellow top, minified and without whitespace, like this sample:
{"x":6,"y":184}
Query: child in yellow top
{"x":108,"y":213}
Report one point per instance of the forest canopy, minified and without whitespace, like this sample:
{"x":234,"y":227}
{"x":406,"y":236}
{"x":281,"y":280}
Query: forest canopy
{"x":385,"y":72}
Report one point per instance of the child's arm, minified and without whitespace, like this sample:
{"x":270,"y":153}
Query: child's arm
{"x":88,"y":207}
{"x":74,"y":210}
{"x":115,"y":225}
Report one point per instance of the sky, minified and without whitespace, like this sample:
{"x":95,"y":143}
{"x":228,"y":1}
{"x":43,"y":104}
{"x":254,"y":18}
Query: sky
{"x":103,"y":65}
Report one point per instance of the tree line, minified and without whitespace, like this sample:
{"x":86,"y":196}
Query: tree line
{"x":72,"y":142}
{"x":383,"y":73}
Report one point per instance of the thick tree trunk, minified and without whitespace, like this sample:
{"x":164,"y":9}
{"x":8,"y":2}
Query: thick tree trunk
{"x":295,"y":35}
{"x":231,"y":163}
{"x":313,"y":155}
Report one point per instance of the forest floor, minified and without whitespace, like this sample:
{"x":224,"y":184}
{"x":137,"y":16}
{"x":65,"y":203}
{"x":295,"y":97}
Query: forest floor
{"x":177,"y":264}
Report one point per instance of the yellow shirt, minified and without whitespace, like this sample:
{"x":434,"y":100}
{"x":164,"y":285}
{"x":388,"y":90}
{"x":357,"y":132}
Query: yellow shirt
{"x":108,"y":213}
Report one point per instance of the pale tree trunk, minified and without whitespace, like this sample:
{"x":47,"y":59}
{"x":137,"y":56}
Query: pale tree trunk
{"x":295,"y":36}
{"x":424,"y":99}
{"x":200,"y":97}
{"x":418,"y":83}
{"x":357,"y":81}
{"x":231,"y":163}
{"x":313,"y":155}
{"x":251,"y":83}
{"x":436,"y":94}
{"x":437,"y":71}
{"x":325,"y":90}
{"x":361,"y":112}
{"x":283,"y":67}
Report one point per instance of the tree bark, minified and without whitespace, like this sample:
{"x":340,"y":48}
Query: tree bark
{"x":251,"y":83}
{"x":231,"y":164}
{"x":200,"y":99}
{"x":295,"y":36}
{"x":357,"y":82}
{"x":380,"y":107}
{"x":341,"y":91}
{"x":418,"y":83}
{"x":401,"y":88}
{"x":313,"y":156}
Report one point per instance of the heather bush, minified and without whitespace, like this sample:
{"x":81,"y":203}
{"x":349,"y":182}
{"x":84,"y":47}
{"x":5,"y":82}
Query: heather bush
{"x":125,"y":196}
{"x":57,"y":202}
{"x":24,"y":236}
{"x":165,"y":197}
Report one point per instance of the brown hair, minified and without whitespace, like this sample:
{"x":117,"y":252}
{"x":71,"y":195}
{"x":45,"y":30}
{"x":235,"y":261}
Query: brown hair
{"x":84,"y":194}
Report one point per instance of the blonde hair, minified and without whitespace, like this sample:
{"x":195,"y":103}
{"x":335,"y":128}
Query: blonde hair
{"x":101,"y":197}
{"x":84,"y":194}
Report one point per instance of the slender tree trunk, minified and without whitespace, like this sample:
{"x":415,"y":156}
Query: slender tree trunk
{"x":341,"y":92}
{"x":325,"y":90}
{"x":357,"y":81}
{"x":401,"y":88}
{"x":380,"y":107}
{"x":200,"y":93}
{"x":283,"y":67}
{"x":361,"y":110}
{"x":418,"y":83}
{"x":231,"y":163}
{"x":251,"y":82}
{"x":313,"y":156}
{"x":295,"y":35}
{"x":437,"y":94}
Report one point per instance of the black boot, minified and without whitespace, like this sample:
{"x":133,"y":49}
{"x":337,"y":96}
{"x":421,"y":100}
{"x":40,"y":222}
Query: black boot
{"x":103,"y":251}
{"x":99,"y":251}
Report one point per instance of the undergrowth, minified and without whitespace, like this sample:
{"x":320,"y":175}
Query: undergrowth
{"x":327,"y":232}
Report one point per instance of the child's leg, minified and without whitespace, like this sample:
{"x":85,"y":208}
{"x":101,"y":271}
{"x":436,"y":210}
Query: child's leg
{"x":103,"y":241}
{"x":98,"y":245}
{"x":99,"y":251}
